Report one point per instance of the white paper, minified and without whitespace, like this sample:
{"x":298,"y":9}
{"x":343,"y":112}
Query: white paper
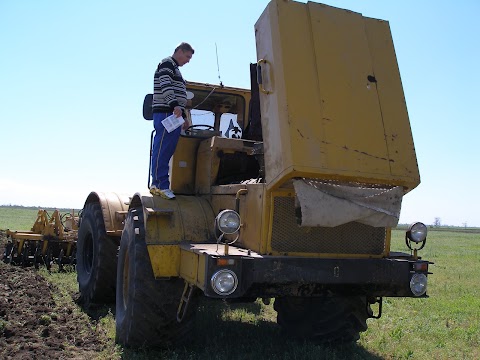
{"x":172,"y":122}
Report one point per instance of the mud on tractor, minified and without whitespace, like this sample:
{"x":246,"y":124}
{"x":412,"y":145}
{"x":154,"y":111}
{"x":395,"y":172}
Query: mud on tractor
{"x":288,"y":190}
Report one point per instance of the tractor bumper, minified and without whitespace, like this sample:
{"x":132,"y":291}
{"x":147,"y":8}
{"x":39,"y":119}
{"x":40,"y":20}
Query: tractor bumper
{"x":244,"y":274}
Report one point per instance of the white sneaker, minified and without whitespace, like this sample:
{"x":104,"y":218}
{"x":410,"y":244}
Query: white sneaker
{"x":154,"y":190}
{"x":166,"y":194}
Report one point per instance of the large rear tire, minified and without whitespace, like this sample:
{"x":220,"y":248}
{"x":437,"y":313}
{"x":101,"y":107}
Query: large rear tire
{"x":326,"y":319}
{"x":146,"y":308}
{"x":96,"y":258}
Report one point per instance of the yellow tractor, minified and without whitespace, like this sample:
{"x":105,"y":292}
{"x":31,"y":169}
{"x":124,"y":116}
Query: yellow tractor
{"x":288,"y":190}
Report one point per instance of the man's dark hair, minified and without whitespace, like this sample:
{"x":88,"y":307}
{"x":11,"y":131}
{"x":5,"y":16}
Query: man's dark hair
{"x":185,"y":47}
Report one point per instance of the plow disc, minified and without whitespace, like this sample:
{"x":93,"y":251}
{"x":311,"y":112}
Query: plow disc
{"x":52,"y":240}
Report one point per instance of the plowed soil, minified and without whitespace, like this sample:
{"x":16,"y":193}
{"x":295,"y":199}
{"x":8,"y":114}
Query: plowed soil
{"x":36,"y":324}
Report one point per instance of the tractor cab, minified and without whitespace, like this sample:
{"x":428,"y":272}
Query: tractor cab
{"x":214,"y":112}
{"x":215,"y":149}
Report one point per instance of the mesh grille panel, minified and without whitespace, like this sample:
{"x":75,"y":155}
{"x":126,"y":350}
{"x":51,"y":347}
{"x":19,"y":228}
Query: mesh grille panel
{"x":350,"y":238}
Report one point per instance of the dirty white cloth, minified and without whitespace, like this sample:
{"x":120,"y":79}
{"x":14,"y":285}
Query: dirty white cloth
{"x":330,"y":204}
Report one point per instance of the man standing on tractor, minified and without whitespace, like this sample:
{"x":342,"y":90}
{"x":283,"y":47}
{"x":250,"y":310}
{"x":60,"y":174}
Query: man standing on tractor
{"x":169,"y":96}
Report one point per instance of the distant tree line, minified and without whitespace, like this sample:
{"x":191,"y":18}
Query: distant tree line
{"x":36,"y":207}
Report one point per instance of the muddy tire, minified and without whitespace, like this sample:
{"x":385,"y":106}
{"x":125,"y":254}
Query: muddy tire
{"x":96,"y":258}
{"x":327,"y":319}
{"x":146,"y":308}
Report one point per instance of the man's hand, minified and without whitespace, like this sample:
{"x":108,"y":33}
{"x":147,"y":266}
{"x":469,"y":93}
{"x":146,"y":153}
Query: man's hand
{"x":177,"y":111}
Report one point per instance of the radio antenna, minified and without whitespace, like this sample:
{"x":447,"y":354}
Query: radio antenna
{"x":218,"y":67}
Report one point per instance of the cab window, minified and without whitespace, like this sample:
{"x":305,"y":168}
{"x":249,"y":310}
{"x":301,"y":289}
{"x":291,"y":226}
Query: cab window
{"x":218,"y":111}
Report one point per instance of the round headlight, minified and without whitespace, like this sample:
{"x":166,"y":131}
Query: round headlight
{"x":228,"y":221}
{"x":417,"y":232}
{"x":418,"y":284}
{"x":224,"y":282}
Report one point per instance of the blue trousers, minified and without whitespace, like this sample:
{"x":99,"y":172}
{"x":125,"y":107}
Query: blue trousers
{"x":164,"y":144}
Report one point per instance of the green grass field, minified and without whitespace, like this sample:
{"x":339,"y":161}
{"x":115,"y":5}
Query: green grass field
{"x":23,"y":218}
{"x":444,"y":326}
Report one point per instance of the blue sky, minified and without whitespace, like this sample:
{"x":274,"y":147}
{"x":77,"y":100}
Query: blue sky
{"x":73,"y":75}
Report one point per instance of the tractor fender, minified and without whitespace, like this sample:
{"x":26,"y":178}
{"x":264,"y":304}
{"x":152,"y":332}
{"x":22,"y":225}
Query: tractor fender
{"x":186,"y":219}
{"x":168,"y":223}
{"x":114,"y":209}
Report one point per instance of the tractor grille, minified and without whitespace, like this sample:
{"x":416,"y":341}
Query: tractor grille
{"x":350,"y":238}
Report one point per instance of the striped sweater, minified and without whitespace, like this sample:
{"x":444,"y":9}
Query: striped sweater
{"x":169,"y":88}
